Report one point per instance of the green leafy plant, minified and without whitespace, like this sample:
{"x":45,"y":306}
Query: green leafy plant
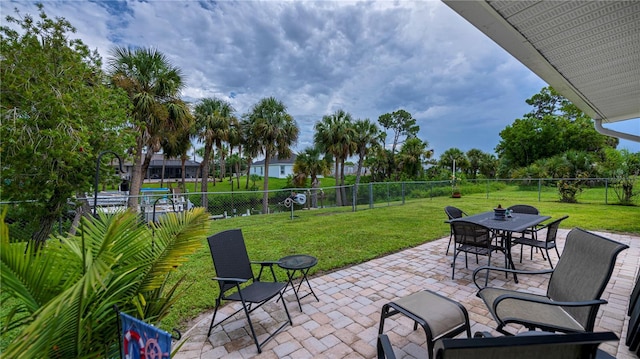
{"x":62,"y":296}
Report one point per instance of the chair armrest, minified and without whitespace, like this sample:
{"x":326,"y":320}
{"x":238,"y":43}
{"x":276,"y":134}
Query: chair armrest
{"x":227,"y":279}
{"x":505,"y":270}
{"x":515,"y":296}
{"x":384,"y":348}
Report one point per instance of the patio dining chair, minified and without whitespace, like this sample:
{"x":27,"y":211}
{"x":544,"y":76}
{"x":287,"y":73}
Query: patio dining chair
{"x":574,"y":289}
{"x":549,"y":241}
{"x":453,"y":213}
{"x":237,"y":282}
{"x":523,"y":208}
{"x":475,"y":239}
{"x":526,"y":209}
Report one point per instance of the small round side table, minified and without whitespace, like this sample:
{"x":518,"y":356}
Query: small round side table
{"x":302,"y":263}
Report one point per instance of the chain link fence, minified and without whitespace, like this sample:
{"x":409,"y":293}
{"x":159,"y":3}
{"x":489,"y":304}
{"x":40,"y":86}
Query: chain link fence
{"x":155,"y":203}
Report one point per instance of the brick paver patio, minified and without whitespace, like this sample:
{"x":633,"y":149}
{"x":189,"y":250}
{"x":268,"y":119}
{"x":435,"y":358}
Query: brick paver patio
{"x":344,"y":323}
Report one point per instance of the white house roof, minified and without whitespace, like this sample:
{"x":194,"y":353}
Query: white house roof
{"x":588,"y":51}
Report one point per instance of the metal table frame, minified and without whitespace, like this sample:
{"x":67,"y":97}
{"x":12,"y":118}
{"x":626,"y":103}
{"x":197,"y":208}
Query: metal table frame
{"x":302,"y":263}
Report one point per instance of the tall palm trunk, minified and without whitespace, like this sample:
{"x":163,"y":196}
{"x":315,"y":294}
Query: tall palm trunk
{"x":246,"y":186}
{"x":198,"y":174}
{"x":136,"y":176}
{"x":343,"y":190}
{"x":145,"y":165}
{"x":183,"y":169}
{"x":223,"y":163}
{"x":164,"y":161}
{"x":265,"y":195}
{"x":358,"y":174}
{"x":314,"y":192}
{"x":238,"y":175}
{"x":205,"y":175}
{"x":337,"y":174}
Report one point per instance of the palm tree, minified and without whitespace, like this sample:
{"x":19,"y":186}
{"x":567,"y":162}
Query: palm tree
{"x":178,"y":147}
{"x":273,"y":133}
{"x":176,"y":136}
{"x":213,"y":116}
{"x":454,"y":154}
{"x":412,"y":155}
{"x":62,"y":297}
{"x":310,"y":164}
{"x":153,"y":85}
{"x":366,"y":137}
{"x":334,"y":135}
{"x":474,"y":156}
{"x":251,"y":145}
{"x":235,"y":138}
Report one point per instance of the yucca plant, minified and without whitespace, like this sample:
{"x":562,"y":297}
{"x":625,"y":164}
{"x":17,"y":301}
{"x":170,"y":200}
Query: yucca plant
{"x":65,"y":292}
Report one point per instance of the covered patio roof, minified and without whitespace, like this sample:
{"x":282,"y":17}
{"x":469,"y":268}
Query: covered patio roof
{"x":588,"y":51}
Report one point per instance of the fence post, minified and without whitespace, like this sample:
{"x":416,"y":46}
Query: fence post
{"x":370,"y":195}
{"x":539,"y":189}
{"x":606,"y":190}
{"x":354,"y":203}
{"x":487,"y":188}
{"x":402,"y":192}
{"x":388,"y":195}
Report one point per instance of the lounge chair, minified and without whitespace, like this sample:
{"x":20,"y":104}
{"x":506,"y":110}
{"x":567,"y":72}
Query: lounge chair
{"x":573,"y":293}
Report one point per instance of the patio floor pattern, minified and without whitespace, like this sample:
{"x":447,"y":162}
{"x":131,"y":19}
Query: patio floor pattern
{"x":344,"y":323}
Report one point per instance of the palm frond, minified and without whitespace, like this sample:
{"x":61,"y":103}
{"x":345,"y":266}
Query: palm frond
{"x":177,"y":236}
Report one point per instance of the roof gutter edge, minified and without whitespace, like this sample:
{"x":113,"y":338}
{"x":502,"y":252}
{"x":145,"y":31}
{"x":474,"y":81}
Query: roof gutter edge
{"x":613,"y":133}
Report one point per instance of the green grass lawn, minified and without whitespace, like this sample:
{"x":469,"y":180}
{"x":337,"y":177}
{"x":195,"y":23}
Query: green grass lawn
{"x":339,"y":237}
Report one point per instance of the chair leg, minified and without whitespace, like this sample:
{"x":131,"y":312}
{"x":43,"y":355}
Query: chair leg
{"x":453,"y":264}
{"x":548,"y":257}
{"x":449,"y":245}
{"x":214,"y":317}
{"x":521,"y":246}
{"x":253,"y":332}
{"x":285,"y":309}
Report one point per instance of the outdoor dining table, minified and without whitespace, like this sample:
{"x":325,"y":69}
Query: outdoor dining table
{"x":517,"y":222}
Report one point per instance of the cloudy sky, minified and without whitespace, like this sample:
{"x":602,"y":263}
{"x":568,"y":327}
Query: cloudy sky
{"x":365,"y":57}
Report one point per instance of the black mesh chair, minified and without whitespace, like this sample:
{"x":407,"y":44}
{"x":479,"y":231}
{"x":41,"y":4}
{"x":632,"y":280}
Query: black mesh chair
{"x":526,"y":209}
{"x":453,"y":213}
{"x":475,"y":239}
{"x":548,"y":242}
{"x":233,"y":272}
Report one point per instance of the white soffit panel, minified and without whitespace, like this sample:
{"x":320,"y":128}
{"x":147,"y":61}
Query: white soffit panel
{"x":589,"y":51}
